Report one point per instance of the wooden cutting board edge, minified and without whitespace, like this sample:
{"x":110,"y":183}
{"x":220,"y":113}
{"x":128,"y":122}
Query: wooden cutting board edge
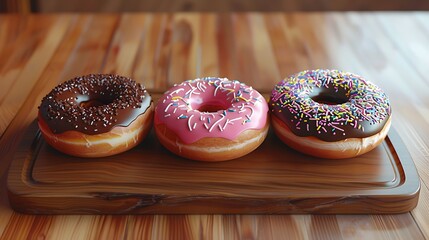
{"x":21,"y":187}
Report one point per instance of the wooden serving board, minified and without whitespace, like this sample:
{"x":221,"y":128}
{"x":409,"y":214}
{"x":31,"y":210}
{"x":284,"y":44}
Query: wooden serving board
{"x":272,"y":179}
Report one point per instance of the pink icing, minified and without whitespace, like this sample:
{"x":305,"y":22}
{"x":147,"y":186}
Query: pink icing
{"x":243,"y":108}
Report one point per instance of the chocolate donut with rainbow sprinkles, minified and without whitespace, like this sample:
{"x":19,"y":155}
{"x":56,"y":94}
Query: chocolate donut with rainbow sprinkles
{"x":211,"y":119}
{"x":330,"y":113}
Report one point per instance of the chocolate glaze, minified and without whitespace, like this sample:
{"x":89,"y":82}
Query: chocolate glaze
{"x":330,"y":105}
{"x":94,"y":104}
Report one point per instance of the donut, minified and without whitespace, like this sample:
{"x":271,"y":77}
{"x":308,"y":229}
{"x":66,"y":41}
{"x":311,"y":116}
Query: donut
{"x":211,"y":119}
{"x":330,"y":113}
{"x":96,"y":115}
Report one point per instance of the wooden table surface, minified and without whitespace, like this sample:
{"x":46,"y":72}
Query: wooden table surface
{"x":39,"y":51}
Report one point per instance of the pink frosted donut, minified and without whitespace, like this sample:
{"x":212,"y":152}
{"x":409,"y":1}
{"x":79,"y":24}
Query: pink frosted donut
{"x":211,"y":119}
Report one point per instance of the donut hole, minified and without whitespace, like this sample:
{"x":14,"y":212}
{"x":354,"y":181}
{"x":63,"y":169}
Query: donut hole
{"x":330,"y":96}
{"x":211,"y":108}
{"x":95,"y":102}
{"x":329,"y":99}
{"x":91,"y":103}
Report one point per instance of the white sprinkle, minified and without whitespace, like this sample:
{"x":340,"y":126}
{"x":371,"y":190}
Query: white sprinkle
{"x":216,"y":90}
{"x":342,"y":130}
{"x":251,"y":111}
{"x":177,"y":91}
{"x":234,"y":119}
{"x":201,"y":87}
{"x":214,"y":124}
{"x":190,"y":85}
{"x":168,"y":106}
{"x":189,"y":122}
{"x":226,"y":123}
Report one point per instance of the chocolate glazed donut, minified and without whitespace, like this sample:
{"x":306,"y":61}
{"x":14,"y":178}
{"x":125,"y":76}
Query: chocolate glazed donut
{"x":330,"y":113}
{"x":96,"y":115}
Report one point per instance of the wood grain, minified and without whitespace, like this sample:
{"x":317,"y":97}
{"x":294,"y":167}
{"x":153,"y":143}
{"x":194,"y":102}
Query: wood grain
{"x":23,"y":68}
{"x":364,"y":43}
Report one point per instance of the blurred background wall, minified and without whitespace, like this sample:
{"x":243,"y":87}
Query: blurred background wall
{"x":48,"y":6}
